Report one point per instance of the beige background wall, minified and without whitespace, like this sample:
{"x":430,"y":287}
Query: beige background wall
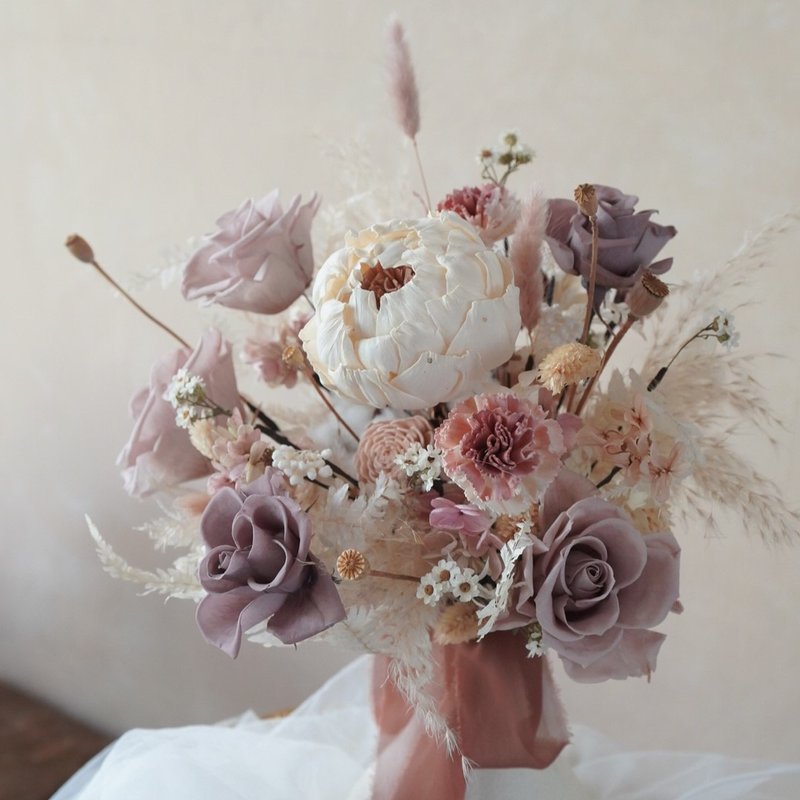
{"x":137,"y":123}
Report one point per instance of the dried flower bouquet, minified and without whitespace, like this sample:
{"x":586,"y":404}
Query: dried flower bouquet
{"x":486,"y":482}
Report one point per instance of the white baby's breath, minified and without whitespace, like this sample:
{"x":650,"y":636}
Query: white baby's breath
{"x":185,"y":389}
{"x":297,"y":465}
{"x":534,"y":646}
{"x":424,"y":463}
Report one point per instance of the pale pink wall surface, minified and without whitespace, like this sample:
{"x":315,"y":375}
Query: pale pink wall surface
{"x":138,"y":123}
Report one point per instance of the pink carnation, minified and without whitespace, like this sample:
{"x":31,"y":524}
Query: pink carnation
{"x":503,"y":450}
{"x":490,"y":208}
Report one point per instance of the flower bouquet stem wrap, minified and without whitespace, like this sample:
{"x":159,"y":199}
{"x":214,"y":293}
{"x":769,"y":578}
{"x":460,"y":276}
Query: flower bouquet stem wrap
{"x":501,"y":705}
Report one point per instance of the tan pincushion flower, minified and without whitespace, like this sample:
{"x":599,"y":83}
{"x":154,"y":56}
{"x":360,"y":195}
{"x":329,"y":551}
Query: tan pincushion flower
{"x":382,"y":442}
{"x":457,"y":624}
{"x":570,"y":363}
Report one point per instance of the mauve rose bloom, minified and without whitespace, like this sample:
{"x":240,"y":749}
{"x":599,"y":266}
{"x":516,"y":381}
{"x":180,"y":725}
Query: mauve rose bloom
{"x":259,"y":566}
{"x":259,"y":260}
{"x":159,"y":453}
{"x":492,"y":209}
{"x":503,"y":450}
{"x":627,"y":241}
{"x":601,"y":584}
{"x":381,"y":442}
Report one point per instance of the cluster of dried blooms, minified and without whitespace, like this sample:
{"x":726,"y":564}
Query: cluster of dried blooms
{"x":482,"y":461}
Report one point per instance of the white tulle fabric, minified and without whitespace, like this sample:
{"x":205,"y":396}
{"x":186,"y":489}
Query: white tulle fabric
{"x":325,"y":749}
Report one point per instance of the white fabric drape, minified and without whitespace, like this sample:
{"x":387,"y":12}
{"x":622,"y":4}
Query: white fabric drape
{"x":324,"y":751}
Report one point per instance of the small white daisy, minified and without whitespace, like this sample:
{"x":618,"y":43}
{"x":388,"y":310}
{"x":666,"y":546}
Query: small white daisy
{"x":445,"y":572}
{"x":465,"y":586}
{"x":430,"y":590}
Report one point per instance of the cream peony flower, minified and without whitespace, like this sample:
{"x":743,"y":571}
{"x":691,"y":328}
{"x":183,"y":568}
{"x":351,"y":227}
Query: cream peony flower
{"x":412,"y":313}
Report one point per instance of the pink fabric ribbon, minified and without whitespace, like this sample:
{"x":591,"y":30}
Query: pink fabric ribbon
{"x":502,"y":706}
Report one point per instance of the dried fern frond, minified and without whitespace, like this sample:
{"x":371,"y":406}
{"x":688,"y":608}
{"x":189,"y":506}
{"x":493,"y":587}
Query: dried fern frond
{"x":171,"y":530}
{"x":180,"y":580}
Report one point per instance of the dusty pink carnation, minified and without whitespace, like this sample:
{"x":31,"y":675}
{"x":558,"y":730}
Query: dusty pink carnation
{"x":490,"y":208}
{"x":502,"y":450}
{"x":265,"y":352}
{"x":382,"y":442}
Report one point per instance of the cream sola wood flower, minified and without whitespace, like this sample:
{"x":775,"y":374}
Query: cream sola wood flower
{"x":412,"y":313}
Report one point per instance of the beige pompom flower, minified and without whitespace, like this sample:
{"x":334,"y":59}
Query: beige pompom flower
{"x":570,"y":363}
{"x":457,"y":624}
{"x":382,"y":442}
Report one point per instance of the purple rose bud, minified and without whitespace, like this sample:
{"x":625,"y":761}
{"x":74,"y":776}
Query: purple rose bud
{"x":627,"y":241}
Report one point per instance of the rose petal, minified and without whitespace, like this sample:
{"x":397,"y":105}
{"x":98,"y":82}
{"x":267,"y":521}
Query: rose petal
{"x":647,"y":602}
{"x":308,"y":612}
{"x":222,"y":617}
{"x":634,"y":656}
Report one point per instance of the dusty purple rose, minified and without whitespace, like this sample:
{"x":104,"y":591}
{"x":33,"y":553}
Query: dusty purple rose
{"x":159,"y":453}
{"x":259,"y":567}
{"x":627,"y":241}
{"x":259,"y":260}
{"x":601,"y":584}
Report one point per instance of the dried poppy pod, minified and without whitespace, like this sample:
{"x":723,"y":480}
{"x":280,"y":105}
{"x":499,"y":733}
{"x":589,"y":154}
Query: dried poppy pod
{"x":586,"y":198}
{"x":647,"y":295}
{"x":351,"y":565}
{"x":80,"y":248}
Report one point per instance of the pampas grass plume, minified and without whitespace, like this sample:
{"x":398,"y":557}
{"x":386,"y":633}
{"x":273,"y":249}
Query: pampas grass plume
{"x":402,"y":83}
{"x":526,"y":258}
